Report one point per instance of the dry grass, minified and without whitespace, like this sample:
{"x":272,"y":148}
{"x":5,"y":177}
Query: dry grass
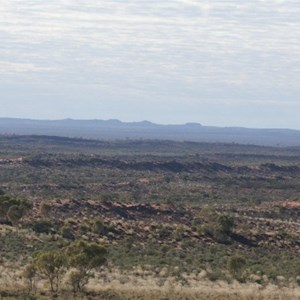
{"x":148,"y":287}
{"x":145,"y":285}
{"x":219,"y":293}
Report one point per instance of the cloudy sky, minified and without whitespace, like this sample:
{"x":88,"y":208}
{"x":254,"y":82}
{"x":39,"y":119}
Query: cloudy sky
{"x":216,"y":62}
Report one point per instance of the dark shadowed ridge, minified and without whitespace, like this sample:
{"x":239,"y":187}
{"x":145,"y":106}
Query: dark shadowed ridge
{"x":115,"y":129}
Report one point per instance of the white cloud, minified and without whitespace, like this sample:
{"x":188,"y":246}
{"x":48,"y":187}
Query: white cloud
{"x":245,"y":51}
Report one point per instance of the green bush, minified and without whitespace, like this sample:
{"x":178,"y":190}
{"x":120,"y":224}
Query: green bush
{"x":218,"y":226}
{"x":84,"y":228}
{"x":14,"y":214}
{"x":13,"y":209}
{"x":206,"y":229}
{"x":42,"y":226}
{"x":67,"y":232}
{"x":98,"y":226}
{"x":45,"y":209}
{"x":236,"y":266}
{"x":225,"y":224}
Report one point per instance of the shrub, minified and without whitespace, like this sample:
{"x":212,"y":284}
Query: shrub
{"x":45,"y":209}
{"x":221,"y":236}
{"x":178,"y":234}
{"x":206,"y":229}
{"x":84,"y":228}
{"x":108,"y":197}
{"x":14,"y":214}
{"x":236,"y":265}
{"x":208,"y":214}
{"x":13,"y":209}
{"x":98,"y":226}
{"x":42,"y":226}
{"x":67,"y":232}
{"x":163,"y":232}
{"x":219,"y":226}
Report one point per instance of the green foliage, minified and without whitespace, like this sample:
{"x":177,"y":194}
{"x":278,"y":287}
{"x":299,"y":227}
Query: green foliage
{"x":206,"y":229}
{"x":42,"y":226}
{"x":84,"y":228}
{"x":217,"y":225}
{"x":208,"y":214}
{"x":52,"y":265}
{"x":220,"y":236}
{"x":5,"y":202}
{"x":78,"y":280}
{"x":45,"y":209}
{"x":236,"y":266}
{"x":223,"y":228}
{"x":67,"y":232}
{"x":13,"y":209}
{"x":107,"y":197}
{"x":98,"y":225}
{"x":178,"y":234}
{"x":225,"y":224}
{"x":29,"y":274}
{"x":84,"y":258}
{"x":163,"y":232}
{"x":14,"y":214}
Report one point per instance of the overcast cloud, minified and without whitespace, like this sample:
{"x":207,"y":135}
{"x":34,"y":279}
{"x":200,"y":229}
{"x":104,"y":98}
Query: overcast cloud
{"x":217,"y":62}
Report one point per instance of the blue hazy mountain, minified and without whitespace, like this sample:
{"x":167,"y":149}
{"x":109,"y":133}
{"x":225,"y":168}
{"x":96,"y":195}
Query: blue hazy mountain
{"x":115,"y":129}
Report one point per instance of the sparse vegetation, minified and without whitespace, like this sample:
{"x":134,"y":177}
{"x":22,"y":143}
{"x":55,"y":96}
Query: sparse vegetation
{"x":181,"y":218}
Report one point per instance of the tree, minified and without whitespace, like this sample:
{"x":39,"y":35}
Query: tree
{"x":223,"y":229}
{"x":225,"y":224}
{"x":217,"y":225}
{"x":14,"y":214}
{"x":84,"y":258}
{"x":52,"y":265}
{"x":5,"y":202}
{"x":13,"y":209}
{"x":29,"y":274}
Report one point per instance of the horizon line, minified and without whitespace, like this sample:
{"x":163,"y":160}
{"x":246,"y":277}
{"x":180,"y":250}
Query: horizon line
{"x":190,"y":123}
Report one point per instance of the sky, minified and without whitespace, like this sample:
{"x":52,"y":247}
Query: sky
{"x":215,"y":62}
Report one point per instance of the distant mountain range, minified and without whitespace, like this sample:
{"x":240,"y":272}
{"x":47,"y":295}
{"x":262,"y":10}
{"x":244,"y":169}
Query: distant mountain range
{"x":115,"y":129}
